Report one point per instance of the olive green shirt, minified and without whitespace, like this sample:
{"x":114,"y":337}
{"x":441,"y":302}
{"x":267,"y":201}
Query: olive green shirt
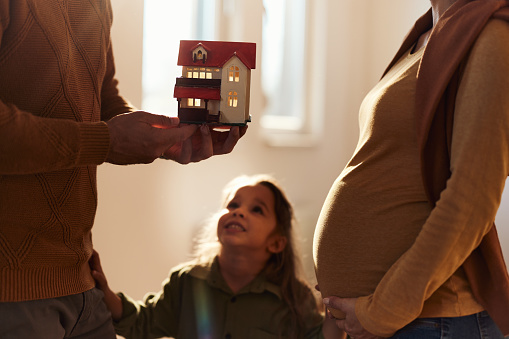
{"x":196,"y":302}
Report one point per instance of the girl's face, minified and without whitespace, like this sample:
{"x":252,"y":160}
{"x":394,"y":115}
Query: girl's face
{"x":249,"y":220}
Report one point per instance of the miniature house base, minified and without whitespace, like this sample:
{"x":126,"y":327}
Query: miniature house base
{"x":215,"y":84}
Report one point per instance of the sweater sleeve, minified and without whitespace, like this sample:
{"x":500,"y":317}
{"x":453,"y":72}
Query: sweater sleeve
{"x":32,"y":144}
{"x":468,"y":205}
{"x":112,"y":103}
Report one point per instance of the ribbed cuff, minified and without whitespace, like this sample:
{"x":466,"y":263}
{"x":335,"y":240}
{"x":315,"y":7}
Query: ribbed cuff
{"x":44,"y":282}
{"x":94,"y":143}
{"x":365,"y":314}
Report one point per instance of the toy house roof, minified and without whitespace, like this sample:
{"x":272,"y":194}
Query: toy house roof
{"x":218,"y":53}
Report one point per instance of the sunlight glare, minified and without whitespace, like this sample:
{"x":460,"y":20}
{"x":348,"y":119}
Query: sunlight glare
{"x":166,"y":22}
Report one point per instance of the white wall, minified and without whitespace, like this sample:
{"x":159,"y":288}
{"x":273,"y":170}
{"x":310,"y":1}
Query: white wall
{"x":147,"y":213}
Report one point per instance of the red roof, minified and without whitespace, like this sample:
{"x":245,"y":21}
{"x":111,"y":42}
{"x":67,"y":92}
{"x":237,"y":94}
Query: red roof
{"x":218,"y":53}
{"x":196,"y":92}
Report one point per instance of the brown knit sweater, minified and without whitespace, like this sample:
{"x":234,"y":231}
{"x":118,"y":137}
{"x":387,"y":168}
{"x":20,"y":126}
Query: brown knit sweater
{"x":56,"y":86}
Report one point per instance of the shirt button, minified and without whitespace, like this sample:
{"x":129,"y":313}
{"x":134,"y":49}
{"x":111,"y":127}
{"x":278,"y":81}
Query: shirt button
{"x":233,"y":299}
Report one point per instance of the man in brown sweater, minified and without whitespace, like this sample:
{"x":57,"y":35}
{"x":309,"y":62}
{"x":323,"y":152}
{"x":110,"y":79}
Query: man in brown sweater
{"x":60,"y":116}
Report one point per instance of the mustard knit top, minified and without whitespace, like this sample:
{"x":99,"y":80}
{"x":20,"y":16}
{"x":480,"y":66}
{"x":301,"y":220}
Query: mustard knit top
{"x":378,"y":237}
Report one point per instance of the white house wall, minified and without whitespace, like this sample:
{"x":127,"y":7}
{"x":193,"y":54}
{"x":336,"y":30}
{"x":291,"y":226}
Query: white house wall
{"x":234,"y":114}
{"x":248,"y":95}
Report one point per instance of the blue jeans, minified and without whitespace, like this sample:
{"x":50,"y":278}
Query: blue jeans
{"x":79,"y":316}
{"x":475,"y":326}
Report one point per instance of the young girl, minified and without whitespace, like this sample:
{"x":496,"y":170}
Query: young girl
{"x":243,"y":283}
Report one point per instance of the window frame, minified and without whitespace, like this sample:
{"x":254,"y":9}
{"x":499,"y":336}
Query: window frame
{"x":303,"y":129}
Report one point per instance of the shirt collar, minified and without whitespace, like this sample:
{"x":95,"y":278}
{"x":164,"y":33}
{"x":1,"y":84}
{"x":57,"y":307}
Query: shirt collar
{"x":210,"y":272}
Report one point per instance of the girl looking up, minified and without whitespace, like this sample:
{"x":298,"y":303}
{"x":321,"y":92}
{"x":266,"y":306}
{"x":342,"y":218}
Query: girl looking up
{"x":244,"y":281}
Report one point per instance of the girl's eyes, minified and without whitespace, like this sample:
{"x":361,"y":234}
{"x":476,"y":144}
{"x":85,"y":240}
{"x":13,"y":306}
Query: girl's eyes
{"x":258,"y":209}
{"x":232,"y":205}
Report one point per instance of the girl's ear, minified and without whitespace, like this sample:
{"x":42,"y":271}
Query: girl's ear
{"x":277,"y":244}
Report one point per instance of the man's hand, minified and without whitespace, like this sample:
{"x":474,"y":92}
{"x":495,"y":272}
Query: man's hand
{"x":141,"y":137}
{"x":350,"y":324}
{"x":205,"y":143}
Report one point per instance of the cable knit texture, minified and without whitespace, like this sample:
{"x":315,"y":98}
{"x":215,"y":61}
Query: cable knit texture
{"x":57,"y":88}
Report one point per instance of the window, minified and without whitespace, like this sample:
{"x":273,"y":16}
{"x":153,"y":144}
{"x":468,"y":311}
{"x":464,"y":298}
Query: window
{"x":291,"y":63}
{"x":201,"y":56}
{"x":192,"y":102}
{"x":232,"y":99}
{"x":166,"y":22}
{"x":290,"y":46}
{"x":233,"y":74}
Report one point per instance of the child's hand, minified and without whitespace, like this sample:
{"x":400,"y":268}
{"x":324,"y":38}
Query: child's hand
{"x":97,"y":272}
{"x":113,"y":301}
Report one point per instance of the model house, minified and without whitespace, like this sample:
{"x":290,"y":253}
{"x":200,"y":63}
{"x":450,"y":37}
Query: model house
{"x":215,"y":83}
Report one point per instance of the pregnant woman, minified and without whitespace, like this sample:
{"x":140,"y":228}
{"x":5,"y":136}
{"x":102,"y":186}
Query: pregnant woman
{"x":405,"y":245}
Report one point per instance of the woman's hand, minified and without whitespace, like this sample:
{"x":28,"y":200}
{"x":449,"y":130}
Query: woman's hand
{"x":350,"y":324}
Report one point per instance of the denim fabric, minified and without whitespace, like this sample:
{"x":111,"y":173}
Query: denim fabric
{"x":80,"y":316}
{"x":476,"y":326}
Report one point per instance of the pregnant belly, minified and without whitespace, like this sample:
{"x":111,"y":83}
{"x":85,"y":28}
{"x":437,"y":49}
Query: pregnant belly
{"x":355,"y":244}
{"x":346,"y":266}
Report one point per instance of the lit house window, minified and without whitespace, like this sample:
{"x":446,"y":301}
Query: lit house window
{"x":200,"y":56}
{"x":233,"y":74}
{"x":191,"y":102}
{"x":232,"y":99}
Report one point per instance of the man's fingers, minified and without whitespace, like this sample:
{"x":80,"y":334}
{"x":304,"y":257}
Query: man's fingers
{"x":161,"y":121}
{"x":204,"y":143}
{"x":207,"y":147}
{"x":242,"y":131}
{"x":186,"y":151}
{"x":231,"y":141}
{"x":175,"y":135}
{"x":226,"y":141}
